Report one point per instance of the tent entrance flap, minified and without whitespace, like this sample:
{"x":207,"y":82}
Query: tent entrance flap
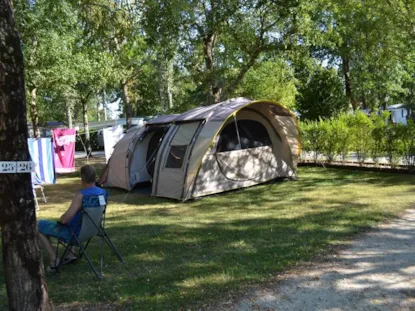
{"x":142,"y":163}
{"x":153,"y":149}
{"x":171,"y":177}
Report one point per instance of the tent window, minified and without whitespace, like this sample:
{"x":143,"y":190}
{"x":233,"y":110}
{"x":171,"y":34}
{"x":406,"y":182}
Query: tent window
{"x":176,"y":156}
{"x":252,"y":134}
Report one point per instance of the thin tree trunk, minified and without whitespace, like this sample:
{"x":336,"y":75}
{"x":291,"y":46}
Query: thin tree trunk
{"x":98,"y":114}
{"x":348,"y":85}
{"x":165,"y":81}
{"x":86,"y":128}
{"x":243,"y":71}
{"x":69,"y":115}
{"x":33,"y":112}
{"x":214,"y":90}
{"x":161,"y":72}
{"x":170,"y":72}
{"x":22,"y":264}
{"x":104,"y":103}
{"x":127,"y":103}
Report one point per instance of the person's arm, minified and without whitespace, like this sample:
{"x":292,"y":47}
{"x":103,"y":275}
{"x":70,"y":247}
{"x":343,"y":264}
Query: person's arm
{"x":75,"y":206}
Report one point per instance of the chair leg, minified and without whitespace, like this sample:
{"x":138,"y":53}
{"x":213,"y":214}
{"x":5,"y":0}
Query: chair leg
{"x":111,"y":245}
{"x":35,"y":198}
{"x":65,"y":252}
{"x":98,"y":275}
{"x":43,"y":195}
{"x":85,"y":247}
{"x":102,"y":254}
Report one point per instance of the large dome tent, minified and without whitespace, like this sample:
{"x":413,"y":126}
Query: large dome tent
{"x":206,"y":150}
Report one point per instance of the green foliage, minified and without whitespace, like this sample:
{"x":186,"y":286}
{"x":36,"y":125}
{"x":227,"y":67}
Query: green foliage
{"x":272,"y":80}
{"x":175,"y":55}
{"x":313,"y":138}
{"x":361,"y":131}
{"x":379,"y":123}
{"x":372,"y":136}
{"x":322,"y":96}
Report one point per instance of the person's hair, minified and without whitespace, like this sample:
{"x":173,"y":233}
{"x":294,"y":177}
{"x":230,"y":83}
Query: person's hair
{"x":88,"y":174}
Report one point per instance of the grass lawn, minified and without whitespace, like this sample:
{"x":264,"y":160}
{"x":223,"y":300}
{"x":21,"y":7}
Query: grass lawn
{"x":182,"y":256}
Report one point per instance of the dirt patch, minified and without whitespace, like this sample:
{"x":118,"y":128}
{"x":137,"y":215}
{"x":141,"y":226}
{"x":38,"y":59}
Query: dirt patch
{"x":377,"y":272}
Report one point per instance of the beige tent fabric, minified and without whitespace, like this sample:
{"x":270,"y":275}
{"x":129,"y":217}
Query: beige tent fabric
{"x":184,"y":134}
{"x":206,"y":146}
{"x":118,"y":173}
{"x":238,"y":169}
{"x":289,"y":126}
{"x":170,"y":181}
{"x":242,"y":168}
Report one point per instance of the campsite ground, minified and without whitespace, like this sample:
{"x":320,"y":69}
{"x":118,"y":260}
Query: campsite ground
{"x":191,"y":255}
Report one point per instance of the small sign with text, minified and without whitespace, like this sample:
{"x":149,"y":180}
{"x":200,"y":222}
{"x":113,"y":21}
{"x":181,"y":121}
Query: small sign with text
{"x":9,"y":167}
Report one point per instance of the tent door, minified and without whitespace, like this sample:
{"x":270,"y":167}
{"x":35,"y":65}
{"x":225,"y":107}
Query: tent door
{"x":174,"y":161}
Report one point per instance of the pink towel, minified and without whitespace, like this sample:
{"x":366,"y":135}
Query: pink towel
{"x":64,"y":147}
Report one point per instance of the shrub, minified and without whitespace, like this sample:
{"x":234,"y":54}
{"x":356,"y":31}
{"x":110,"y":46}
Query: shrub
{"x":361,"y":131}
{"x":367,"y":136}
{"x":378,"y":136}
{"x":313,"y":137}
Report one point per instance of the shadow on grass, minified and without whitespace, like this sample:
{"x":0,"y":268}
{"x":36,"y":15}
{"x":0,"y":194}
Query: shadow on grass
{"x":173,"y":266}
{"x":180,"y":256}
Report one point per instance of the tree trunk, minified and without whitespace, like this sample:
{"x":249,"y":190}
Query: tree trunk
{"x":33,"y":112}
{"x":170,"y":71}
{"x":165,"y":81}
{"x":104,"y":104}
{"x":241,"y":75}
{"x":86,"y":128}
{"x":214,"y":90}
{"x":98,"y":114}
{"x":69,"y":115}
{"x":22,"y":264}
{"x":348,"y":85}
{"x":127,"y":103}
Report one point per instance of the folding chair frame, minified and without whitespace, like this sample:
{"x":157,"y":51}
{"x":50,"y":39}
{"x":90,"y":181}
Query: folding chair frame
{"x":34,"y":187}
{"x":74,"y":241}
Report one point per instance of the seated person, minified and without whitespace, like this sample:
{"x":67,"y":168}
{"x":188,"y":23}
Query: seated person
{"x":70,"y":218}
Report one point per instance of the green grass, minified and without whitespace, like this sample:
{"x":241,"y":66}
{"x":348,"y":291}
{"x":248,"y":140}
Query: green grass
{"x":183,"y":256}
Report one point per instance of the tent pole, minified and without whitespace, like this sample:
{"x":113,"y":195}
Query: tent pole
{"x":237,"y":131}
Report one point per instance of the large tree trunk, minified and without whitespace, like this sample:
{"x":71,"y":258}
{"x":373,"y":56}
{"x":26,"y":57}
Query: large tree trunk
{"x":86,"y":127}
{"x":214,"y":90}
{"x":347,"y":80}
{"x":127,"y":103}
{"x":33,"y":112}
{"x":22,"y":264}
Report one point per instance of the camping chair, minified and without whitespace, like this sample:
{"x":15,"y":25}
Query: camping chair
{"x":91,"y":224}
{"x":35,"y":196}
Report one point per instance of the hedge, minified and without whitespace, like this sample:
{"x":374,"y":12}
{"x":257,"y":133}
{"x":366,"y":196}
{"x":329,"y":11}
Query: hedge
{"x":368,"y":136}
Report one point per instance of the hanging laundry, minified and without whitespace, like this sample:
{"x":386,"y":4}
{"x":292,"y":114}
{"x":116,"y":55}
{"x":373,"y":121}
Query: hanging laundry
{"x":41,"y":152}
{"x":64,"y":148}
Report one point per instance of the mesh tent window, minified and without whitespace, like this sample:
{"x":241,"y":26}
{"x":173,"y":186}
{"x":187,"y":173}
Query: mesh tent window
{"x":252,"y":134}
{"x":179,"y":144}
{"x":176,"y":156}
